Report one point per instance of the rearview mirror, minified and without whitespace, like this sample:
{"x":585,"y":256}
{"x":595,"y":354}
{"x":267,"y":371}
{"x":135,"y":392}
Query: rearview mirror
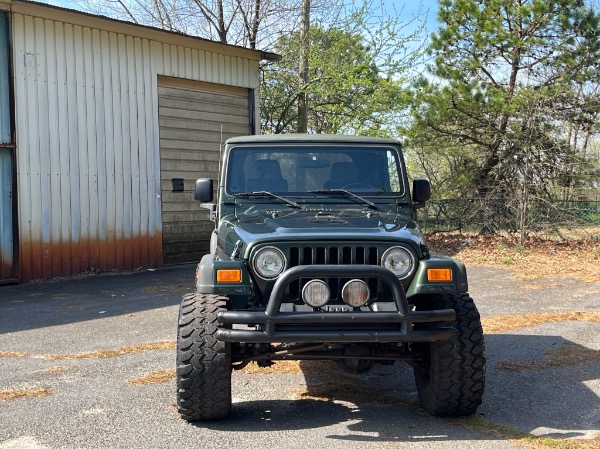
{"x":204,"y":190}
{"x":421,"y":190}
{"x":314,"y":163}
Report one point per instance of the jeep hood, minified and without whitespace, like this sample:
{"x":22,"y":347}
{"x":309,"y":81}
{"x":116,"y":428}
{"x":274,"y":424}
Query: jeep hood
{"x":309,"y":225}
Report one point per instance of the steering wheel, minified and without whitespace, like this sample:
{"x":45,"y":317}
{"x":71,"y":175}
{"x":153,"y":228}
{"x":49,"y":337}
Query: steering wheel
{"x":358,"y":186}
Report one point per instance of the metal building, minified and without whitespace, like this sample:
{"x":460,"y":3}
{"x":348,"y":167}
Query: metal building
{"x":104,"y":126}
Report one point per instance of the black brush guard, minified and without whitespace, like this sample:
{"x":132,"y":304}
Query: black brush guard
{"x":269,"y":319}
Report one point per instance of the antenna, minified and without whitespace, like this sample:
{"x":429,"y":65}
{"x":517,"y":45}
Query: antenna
{"x":219,"y":170}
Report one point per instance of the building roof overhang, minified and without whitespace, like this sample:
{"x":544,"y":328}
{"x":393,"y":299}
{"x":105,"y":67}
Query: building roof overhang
{"x":81,"y":18}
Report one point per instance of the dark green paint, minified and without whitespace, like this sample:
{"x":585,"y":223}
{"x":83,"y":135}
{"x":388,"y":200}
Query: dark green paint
{"x":323,"y":221}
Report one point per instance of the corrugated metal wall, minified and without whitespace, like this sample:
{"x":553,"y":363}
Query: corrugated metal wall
{"x":6,"y":216}
{"x":5,"y":115}
{"x":7,"y":270}
{"x":88,"y":136}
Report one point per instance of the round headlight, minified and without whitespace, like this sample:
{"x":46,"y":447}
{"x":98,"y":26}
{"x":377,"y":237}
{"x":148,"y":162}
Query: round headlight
{"x":316,"y":293}
{"x":356,"y":293}
{"x":399,"y":261}
{"x":269,"y":262}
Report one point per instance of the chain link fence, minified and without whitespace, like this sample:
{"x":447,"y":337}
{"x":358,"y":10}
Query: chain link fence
{"x":531,"y":217}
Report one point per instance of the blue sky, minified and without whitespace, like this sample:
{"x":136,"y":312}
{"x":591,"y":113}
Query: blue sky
{"x":426,"y":9}
{"x":63,"y":3}
{"x":408,"y":7}
{"x":429,"y":7}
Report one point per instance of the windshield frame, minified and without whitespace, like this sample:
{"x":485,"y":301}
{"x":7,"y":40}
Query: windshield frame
{"x":341,"y":148}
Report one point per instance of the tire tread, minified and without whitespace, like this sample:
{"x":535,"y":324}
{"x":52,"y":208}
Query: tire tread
{"x":456,"y":380}
{"x":203,"y":362}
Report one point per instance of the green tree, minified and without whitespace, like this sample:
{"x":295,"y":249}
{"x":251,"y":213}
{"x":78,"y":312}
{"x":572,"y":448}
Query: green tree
{"x":355,"y":80}
{"x":505,"y":80}
{"x":381,"y":45}
{"x":507,"y":97}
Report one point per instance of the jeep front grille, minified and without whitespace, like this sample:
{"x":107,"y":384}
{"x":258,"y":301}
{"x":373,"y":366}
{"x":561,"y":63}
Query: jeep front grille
{"x":333,"y":255}
{"x":341,"y":254}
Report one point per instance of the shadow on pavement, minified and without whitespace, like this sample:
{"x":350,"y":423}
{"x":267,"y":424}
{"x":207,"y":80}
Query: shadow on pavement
{"x":369,"y":423}
{"x":382,"y":406}
{"x":51,"y":303}
{"x":539,"y":390}
{"x":542,"y":396}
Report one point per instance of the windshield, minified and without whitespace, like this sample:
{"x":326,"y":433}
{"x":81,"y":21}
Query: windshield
{"x":303,"y":170}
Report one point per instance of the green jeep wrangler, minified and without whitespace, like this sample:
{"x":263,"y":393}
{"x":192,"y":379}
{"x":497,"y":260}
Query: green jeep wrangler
{"x":316,"y":256}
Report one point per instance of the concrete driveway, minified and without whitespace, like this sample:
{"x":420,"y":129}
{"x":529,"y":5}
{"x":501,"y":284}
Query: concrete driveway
{"x":87,"y":363}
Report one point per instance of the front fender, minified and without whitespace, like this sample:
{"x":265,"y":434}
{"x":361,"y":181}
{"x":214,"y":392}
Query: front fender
{"x":420,"y":285}
{"x":206,"y":277}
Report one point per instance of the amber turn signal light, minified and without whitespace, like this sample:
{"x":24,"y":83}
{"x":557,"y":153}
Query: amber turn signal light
{"x":439,"y":274}
{"x":229,"y":276}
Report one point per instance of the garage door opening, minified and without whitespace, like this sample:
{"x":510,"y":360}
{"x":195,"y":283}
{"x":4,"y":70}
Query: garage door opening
{"x":194,"y":119}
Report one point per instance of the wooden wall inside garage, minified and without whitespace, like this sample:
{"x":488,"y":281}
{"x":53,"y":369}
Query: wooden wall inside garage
{"x":194,"y":119}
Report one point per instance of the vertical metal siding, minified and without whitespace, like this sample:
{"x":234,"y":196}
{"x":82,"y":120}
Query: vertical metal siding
{"x":7,"y":255}
{"x":6,"y":218}
{"x":88,"y":166}
{"x":5,"y":125}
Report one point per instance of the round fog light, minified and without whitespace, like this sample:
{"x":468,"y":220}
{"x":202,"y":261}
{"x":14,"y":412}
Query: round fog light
{"x":356,"y":293}
{"x":316,"y":293}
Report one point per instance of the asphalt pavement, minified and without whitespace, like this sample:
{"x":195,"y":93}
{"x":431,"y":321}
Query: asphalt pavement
{"x":73,"y":347}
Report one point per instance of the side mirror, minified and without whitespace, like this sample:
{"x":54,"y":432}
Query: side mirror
{"x":204,"y":190}
{"x":421,"y":190}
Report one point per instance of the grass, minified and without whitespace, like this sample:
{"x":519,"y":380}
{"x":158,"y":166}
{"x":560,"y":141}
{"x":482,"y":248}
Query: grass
{"x":72,"y":308}
{"x":542,"y":286}
{"x":101,"y":354}
{"x":507,"y":323}
{"x":183,"y":288}
{"x":8,"y":395}
{"x":566,"y":355}
{"x":354,"y":391}
{"x":293,"y":367}
{"x":523,"y":439}
{"x":57,"y":369}
{"x":537,"y":259}
{"x":350,"y":389}
{"x":155,"y":377}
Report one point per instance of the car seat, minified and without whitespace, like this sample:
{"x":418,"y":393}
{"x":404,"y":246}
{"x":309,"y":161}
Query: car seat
{"x":267,"y":176}
{"x":340,"y":175}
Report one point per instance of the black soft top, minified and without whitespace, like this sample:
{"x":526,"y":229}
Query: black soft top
{"x":311,"y":138}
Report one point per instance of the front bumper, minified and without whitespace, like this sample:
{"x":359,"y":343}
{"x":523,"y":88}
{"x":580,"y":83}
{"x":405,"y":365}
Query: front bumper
{"x":336,"y":327}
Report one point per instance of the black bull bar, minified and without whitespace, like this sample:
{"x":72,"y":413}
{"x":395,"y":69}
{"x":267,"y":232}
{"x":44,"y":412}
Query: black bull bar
{"x":271,"y":317}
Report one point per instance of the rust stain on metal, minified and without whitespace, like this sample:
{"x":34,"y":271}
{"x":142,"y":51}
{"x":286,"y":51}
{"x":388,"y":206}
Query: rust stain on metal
{"x":47,"y":260}
{"x":6,"y":270}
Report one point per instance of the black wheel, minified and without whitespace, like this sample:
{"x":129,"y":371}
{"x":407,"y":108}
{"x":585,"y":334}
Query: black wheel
{"x":203,"y":362}
{"x":450,"y":374}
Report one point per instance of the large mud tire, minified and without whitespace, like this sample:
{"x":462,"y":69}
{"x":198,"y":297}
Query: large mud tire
{"x":203,"y":362}
{"x":451,"y":375}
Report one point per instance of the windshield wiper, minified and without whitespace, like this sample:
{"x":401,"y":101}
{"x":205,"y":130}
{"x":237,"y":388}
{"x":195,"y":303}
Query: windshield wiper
{"x":265,"y":193}
{"x":347,"y":192}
